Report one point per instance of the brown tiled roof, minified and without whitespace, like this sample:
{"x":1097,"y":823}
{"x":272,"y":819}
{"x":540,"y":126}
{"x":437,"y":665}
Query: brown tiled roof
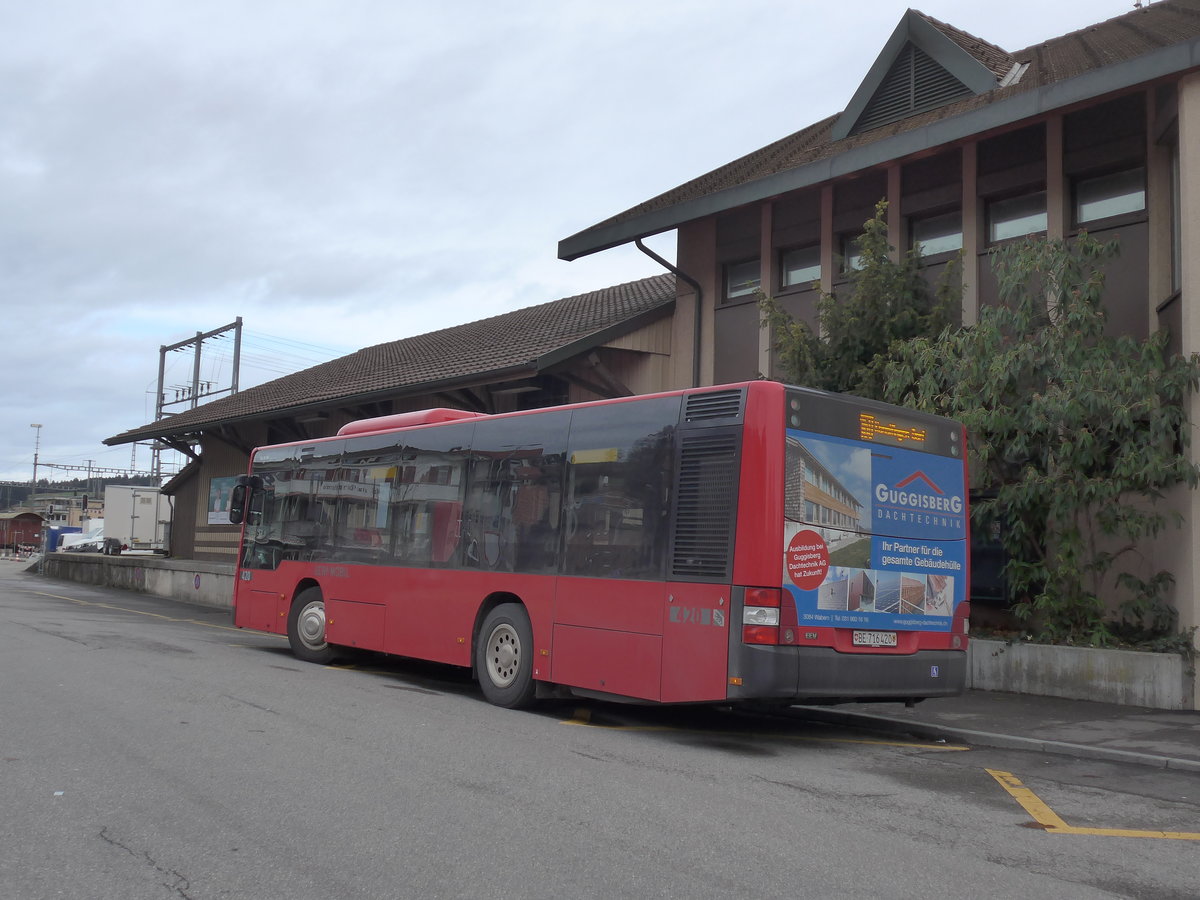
{"x":997,"y":60}
{"x":1120,"y":39}
{"x":519,"y":342}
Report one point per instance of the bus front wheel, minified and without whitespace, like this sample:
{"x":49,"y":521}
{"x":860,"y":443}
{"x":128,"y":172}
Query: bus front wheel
{"x":504,"y":657}
{"x":306,"y":627}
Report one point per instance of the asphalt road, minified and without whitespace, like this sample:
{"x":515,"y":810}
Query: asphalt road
{"x":150,"y":750}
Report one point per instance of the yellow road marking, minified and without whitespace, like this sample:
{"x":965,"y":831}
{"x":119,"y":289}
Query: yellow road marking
{"x":583,"y":716}
{"x":1050,"y":820}
{"x":351,"y":667}
{"x":1042,"y":814}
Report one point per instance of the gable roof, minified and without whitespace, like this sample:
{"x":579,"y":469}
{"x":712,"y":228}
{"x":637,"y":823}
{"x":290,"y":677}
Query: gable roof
{"x":924,"y":64}
{"x":1160,"y":39}
{"x":515,"y":344}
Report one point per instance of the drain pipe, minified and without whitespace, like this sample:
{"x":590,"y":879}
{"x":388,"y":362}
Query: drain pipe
{"x":674,"y":270}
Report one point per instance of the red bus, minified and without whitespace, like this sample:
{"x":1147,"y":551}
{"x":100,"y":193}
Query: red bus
{"x":745,"y":542}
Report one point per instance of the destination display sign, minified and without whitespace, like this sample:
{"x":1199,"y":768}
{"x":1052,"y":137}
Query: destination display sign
{"x":877,"y":423}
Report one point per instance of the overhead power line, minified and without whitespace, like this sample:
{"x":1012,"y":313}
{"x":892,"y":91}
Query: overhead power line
{"x":271,"y":354}
{"x":318,"y":350}
{"x":97,"y":470}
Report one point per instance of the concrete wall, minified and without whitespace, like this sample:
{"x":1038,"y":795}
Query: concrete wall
{"x":206,"y":583}
{"x":1156,"y":680}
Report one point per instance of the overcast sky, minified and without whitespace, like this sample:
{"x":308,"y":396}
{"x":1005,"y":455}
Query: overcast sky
{"x":341,"y":174}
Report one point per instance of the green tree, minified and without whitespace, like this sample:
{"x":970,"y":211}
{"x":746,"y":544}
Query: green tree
{"x":885,"y":301}
{"x":1075,"y":436}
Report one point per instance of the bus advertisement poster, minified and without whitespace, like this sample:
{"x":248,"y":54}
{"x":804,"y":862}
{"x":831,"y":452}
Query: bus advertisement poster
{"x":874,"y":537}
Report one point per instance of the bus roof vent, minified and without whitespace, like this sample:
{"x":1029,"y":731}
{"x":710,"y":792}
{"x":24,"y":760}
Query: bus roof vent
{"x":706,"y":506}
{"x":405,"y":420}
{"x":726,"y":404}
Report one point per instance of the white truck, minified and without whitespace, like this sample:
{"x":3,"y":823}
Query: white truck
{"x":138,"y":518}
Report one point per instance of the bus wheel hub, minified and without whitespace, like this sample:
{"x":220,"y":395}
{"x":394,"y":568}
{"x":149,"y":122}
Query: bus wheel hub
{"x":312,"y":624}
{"x":504,"y":655}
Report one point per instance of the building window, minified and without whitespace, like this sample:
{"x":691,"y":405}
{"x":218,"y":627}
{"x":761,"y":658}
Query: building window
{"x":1110,"y":195}
{"x":852,"y":256}
{"x":742,"y":279}
{"x":937,"y":234}
{"x":1016,"y":216}
{"x":800,"y":266}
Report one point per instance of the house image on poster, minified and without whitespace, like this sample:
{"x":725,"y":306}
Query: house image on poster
{"x":813,"y":494}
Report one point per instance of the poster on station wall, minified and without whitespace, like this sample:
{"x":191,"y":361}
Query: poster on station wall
{"x":874,"y":537}
{"x":220,"y":490}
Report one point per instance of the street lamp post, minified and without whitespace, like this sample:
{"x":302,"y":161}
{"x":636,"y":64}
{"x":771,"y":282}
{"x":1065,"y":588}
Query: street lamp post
{"x":37,"y":444}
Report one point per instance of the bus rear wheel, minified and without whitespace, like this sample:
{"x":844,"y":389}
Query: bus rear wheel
{"x":306,"y":627}
{"x":504,"y":657}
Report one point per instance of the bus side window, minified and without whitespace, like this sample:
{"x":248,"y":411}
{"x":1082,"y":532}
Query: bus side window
{"x":618,"y":501}
{"x":512,"y":516}
{"x":425,"y":509}
{"x":425,"y":495}
{"x":363,"y":489}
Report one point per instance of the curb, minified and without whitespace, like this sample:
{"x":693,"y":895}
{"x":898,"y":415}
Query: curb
{"x":929,"y":730}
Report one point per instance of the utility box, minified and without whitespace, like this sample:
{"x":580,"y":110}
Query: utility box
{"x":137,"y":518}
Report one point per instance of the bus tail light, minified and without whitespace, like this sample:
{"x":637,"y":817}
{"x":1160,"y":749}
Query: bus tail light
{"x":760,"y":616}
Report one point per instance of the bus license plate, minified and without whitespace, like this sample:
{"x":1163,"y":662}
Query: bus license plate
{"x":874,"y":639}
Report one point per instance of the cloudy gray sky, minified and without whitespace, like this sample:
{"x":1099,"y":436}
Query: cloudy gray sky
{"x":340,"y":174}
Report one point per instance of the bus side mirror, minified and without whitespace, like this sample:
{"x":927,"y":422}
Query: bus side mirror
{"x":237,"y":503}
{"x":243,"y":495}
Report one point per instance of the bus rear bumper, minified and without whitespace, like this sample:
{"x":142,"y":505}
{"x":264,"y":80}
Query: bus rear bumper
{"x":823,"y":675}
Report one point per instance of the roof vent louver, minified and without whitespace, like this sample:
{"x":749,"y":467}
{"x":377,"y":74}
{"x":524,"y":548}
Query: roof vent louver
{"x":714,"y":405}
{"x":915,"y":83}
